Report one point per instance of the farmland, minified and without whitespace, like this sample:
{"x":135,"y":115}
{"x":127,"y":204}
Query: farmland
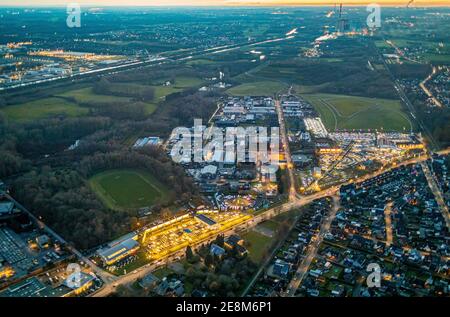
{"x":349,"y":112}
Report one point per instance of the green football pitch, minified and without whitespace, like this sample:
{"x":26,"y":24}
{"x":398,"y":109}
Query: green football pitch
{"x":128,"y":189}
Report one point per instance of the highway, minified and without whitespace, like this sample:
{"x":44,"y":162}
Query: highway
{"x":138,"y":64}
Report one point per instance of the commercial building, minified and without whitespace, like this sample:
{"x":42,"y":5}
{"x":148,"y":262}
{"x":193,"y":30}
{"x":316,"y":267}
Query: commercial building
{"x":119,"y":249}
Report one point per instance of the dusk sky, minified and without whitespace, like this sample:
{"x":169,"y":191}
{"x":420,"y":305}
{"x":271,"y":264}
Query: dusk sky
{"x":31,"y":3}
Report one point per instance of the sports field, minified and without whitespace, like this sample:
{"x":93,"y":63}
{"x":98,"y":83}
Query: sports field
{"x":128,"y":189}
{"x":259,"y":88}
{"x":350,"y":112}
{"x":43,"y":108}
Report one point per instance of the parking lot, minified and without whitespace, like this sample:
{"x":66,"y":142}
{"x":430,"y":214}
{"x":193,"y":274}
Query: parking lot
{"x":188,"y":231}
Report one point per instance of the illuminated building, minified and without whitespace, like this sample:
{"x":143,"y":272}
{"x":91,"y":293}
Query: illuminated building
{"x":317,"y":172}
{"x":410,"y":146}
{"x":83,"y":284}
{"x":330,"y":150}
{"x":6,"y":272}
{"x":119,"y":249}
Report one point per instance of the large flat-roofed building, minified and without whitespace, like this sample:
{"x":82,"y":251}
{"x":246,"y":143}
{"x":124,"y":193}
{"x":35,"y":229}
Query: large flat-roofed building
{"x":34,"y":287}
{"x":29,"y":288}
{"x":119,"y":249}
{"x":316,"y":127}
{"x":6,"y":208}
{"x":205,"y":219}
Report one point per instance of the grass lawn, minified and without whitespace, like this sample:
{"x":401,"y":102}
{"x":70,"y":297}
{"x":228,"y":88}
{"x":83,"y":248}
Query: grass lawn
{"x":350,"y":112}
{"x":162,"y":272}
{"x":258,"y":245}
{"x":260,"y":88}
{"x":128,"y":189}
{"x":269,"y":224}
{"x":43,"y":108}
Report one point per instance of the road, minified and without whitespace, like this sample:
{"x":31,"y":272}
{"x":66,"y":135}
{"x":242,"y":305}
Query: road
{"x":388,"y":223}
{"x":111,"y":281}
{"x":138,"y":64}
{"x":436,"y":192}
{"x":407,"y":102}
{"x":105,"y":276}
{"x":268,"y":214}
{"x":427,"y":91}
{"x":252,"y":222}
{"x":287,"y":152}
{"x":267,"y":261}
{"x":401,"y":53}
{"x":311,"y":252}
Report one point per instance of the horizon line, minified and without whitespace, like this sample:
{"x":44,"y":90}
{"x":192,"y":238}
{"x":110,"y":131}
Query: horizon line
{"x":228,"y":5}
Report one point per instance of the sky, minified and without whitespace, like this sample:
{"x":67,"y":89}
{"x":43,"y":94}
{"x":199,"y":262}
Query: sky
{"x":33,"y":3}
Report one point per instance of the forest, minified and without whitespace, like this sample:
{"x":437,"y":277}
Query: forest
{"x":51,"y":180}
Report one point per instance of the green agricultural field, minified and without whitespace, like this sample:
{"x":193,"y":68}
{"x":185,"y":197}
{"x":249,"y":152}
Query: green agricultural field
{"x":150,"y":108}
{"x":303,"y":89}
{"x":349,"y":112}
{"x":200,"y":61}
{"x":163,"y":91}
{"x":128,"y":189}
{"x":86,"y":95}
{"x":187,"y":82}
{"x":259,"y":88}
{"x":438,"y":58}
{"x":43,"y":108}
